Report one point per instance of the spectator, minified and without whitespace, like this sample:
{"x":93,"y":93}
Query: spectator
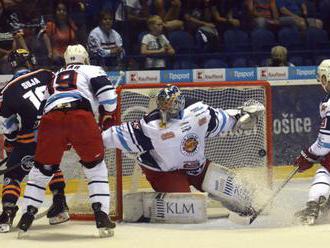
{"x":262,"y":13}
{"x":222,"y":13}
{"x":294,"y":12}
{"x":131,"y":17}
{"x":199,"y":21}
{"x":169,"y":11}
{"x":12,"y":36}
{"x":155,"y":43}
{"x":279,"y":57}
{"x":104,"y":43}
{"x":59,"y":33}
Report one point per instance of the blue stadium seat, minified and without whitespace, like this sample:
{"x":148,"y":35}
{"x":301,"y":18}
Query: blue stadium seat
{"x":182,"y":42}
{"x":239,"y":62}
{"x":236,"y":40}
{"x":290,"y":38}
{"x":215,"y":63}
{"x":316,"y":39}
{"x":262,"y":40}
{"x":297,"y":60}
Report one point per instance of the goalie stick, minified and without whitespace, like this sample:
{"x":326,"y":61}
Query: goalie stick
{"x":250,"y":219}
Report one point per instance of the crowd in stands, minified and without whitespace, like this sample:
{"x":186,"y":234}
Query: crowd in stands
{"x":172,"y":34}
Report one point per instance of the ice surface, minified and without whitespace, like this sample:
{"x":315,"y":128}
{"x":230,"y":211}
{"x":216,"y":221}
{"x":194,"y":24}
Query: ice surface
{"x":273,"y":230}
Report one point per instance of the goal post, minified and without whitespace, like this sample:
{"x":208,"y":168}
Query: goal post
{"x":239,"y":149}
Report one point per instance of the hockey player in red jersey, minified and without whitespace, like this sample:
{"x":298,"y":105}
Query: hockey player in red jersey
{"x":318,"y":203}
{"x":20,"y":102}
{"x":77,"y":91}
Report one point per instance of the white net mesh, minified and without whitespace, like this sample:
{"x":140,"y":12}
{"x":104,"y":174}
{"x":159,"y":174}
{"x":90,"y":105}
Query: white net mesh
{"x":239,"y":149}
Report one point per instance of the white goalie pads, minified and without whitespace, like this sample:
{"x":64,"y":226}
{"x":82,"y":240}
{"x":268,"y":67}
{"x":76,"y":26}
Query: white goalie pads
{"x":183,"y":208}
{"x":225,"y":186}
{"x":248,"y":114}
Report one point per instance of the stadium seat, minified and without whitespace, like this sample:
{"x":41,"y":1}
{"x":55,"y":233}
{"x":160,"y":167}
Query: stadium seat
{"x":297,"y":60}
{"x":316,"y":39}
{"x":290,"y":38}
{"x":239,"y":62}
{"x":215,"y":63}
{"x":182,"y":42}
{"x":262,"y":40}
{"x":236,"y":40}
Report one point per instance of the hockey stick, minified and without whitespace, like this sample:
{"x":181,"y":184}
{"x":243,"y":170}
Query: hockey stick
{"x":250,"y":219}
{"x":9,"y":169}
{"x":121,"y":75}
{"x":3,"y":161}
{"x":278,"y":190}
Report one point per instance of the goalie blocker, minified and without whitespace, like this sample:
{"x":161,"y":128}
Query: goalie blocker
{"x":222,"y":185}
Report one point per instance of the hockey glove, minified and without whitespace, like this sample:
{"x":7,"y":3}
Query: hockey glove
{"x":325,"y":162}
{"x":305,"y":160}
{"x":249,"y":114}
{"x":106,"y":119}
{"x":8,"y":147}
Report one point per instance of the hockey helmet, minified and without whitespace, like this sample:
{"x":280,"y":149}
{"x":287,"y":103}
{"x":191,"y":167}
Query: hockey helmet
{"x":76,"y":54}
{"x":21,"y":58}
{"x":171,"y":101}
{"x":323,"y":74}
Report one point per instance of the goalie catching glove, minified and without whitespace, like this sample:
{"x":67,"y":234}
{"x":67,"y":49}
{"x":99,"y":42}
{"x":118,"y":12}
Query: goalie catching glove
{"x":247,"y":115}
{"x":106,"y":118}
{"x":305,"y":160}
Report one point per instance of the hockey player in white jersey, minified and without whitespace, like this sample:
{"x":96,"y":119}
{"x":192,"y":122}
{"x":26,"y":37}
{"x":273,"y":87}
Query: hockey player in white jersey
{"x":319,"y":152}
{"x":171,"y":145}
{"x":77,"y":91}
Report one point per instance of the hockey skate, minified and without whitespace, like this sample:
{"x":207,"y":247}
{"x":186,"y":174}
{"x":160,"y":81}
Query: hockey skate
{"x":58,"y":212}
{"x":103,"y":221}
{"x":310,"y":214}
{"x":7,"y":217}
{"x":26,"y":221}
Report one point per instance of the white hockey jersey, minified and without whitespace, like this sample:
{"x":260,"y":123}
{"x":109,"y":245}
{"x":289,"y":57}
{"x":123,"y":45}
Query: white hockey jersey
{"x":321,"y":146}
{"x":76,"y":82}
{"x":181,"y":145}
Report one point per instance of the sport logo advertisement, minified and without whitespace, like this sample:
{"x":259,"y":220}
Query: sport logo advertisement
{"x":209,"y":75}
{"x":189,"y":144}
{"x":143,"y":76}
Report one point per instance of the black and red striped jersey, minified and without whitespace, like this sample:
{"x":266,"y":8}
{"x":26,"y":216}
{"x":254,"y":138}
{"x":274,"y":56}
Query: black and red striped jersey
{"x":21,"y":100}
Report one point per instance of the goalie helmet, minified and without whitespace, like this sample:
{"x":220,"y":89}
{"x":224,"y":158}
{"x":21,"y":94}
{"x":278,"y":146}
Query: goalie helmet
{"x":170,"y":102}
{"x":76,"y":54}
{"x":21,"y":58}
{"x":323,"y":74}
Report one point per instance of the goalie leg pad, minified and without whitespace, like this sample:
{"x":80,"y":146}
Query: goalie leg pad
{"x":224,"y":185}
{"x":183,"y":208}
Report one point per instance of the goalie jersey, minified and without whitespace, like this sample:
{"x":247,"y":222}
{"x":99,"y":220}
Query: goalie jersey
{"x":186,"y":136}
{"x":321,"y":146}
{"x":21,"y":100}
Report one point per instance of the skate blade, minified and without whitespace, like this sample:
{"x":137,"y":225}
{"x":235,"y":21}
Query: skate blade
{"x":22,"y":234}
{"x":4,"y":228}
{"x":310,"y":221}
{"x":60,"y":218}
{"x":106,"y":232}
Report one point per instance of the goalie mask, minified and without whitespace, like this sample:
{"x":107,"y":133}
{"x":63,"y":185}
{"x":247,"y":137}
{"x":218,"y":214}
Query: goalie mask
{"x":76,"y":54}
{"x":170,"y":102}
{"x":323,"y":74}
{"x":21,"y":58}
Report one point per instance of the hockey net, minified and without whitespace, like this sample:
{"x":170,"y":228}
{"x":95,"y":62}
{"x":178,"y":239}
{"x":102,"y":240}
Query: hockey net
{"x":240,"y":149}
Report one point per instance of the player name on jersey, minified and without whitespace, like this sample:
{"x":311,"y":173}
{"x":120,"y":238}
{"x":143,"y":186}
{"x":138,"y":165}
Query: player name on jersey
{"x":31,"y":82}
